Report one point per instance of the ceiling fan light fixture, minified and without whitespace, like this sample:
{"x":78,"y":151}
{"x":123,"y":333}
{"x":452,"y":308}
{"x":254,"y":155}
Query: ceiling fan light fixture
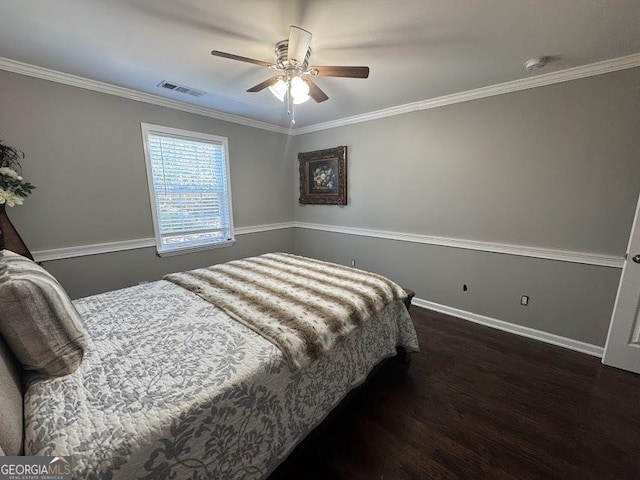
{"x":299,"y":90}
{"x":299,"y":100}
{"x":279,"y":89}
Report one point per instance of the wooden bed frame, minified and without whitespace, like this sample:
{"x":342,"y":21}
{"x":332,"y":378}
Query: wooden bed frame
{"x":285,"y":469}
{"x":12,"y":401}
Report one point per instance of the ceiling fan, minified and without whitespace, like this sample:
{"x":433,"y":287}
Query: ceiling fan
{"x":294,"y":83}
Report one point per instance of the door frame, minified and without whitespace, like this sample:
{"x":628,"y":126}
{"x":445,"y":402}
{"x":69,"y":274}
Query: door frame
{"x":607,"y":346}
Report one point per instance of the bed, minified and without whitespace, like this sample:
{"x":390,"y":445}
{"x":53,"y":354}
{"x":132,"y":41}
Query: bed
{"x":172,"y":385}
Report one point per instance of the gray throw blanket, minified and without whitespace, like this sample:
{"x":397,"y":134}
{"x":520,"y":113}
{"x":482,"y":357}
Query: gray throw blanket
{"x":303,"y":306}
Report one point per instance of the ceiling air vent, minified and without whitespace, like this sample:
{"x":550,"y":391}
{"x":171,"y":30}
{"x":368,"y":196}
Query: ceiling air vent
{"x":180,"y":88}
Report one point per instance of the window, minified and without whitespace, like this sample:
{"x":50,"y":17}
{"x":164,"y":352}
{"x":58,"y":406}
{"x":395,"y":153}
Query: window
{"x":188,"y":176}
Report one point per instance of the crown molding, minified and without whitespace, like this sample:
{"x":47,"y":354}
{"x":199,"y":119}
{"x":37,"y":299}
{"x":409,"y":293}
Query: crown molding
{"x":585,"y":258}
{"x":110,"y":89}
{"x":523,"y":331}
{"x":606,"y":66}
{"x":600,"y":68}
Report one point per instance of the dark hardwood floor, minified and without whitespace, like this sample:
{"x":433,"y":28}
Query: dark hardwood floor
{"x":477,"y":403}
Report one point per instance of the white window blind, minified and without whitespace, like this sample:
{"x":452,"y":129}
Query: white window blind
{"x":188,"y":177}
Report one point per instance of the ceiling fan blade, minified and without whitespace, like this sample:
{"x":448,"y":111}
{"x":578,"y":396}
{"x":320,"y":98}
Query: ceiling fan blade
{"x":265,"y":84}
{"x":299,"y":42}
{"x":231,"y":56}
{"x":351,"y":72}
{"x":315,"y":92}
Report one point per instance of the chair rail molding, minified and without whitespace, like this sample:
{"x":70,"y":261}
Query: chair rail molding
{"x":122,"y":245}
{"x":492,"y":247}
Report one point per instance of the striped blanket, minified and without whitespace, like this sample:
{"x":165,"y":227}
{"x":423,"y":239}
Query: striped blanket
{"x":303,"y":306}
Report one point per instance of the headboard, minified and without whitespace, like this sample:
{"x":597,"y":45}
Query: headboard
{"x":11,"y":402}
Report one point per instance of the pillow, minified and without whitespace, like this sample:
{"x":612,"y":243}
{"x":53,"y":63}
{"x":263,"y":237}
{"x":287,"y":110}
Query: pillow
{"x":37,"y":319}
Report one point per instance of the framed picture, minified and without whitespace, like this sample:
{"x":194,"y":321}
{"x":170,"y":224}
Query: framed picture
{"x":323,"y":176}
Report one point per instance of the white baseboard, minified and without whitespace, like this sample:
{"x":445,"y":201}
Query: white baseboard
{"x":546,"y":337}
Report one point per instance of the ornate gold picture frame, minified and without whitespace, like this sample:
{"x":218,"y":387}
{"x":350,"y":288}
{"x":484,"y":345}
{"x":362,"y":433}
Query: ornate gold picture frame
{"x":323,"y":176}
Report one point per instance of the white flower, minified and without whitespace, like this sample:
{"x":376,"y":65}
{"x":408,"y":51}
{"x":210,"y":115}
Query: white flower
{"x":9,"y":172}
{"x":10,"y":198}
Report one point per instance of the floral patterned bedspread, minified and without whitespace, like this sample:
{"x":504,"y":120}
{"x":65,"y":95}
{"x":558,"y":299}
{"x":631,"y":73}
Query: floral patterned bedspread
{"x":172,"y":387}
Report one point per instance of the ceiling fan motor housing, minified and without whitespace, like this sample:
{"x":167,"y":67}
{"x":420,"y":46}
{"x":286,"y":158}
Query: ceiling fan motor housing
{"x":282,"y":55}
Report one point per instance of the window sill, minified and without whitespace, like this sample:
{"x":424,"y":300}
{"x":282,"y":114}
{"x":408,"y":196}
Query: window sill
{"x":201,"y":248}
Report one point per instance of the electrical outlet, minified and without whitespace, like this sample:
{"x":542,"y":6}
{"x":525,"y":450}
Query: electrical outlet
{"x":353,"y":263}
{"x":524,"y":300}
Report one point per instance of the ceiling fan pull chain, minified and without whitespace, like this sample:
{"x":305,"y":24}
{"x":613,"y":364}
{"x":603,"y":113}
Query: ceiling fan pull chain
{"x":290,"y":105}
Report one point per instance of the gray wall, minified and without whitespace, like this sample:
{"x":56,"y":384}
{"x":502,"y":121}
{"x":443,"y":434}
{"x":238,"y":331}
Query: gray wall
{"x":566,"y":299}
{"x":554,"y":167}
{"x":84,"y":276}
{"x":84,"y":154}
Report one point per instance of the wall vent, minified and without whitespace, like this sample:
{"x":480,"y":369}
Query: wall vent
{"x":181,"y":89}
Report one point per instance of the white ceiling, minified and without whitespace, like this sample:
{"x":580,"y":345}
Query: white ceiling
{"x":416,"y":49}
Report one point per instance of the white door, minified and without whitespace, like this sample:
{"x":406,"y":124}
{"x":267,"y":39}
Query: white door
{"x":622,"y":349}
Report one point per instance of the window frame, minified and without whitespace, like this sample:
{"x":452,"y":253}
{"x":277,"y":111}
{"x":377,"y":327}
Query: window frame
{"x":147,"y":129}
